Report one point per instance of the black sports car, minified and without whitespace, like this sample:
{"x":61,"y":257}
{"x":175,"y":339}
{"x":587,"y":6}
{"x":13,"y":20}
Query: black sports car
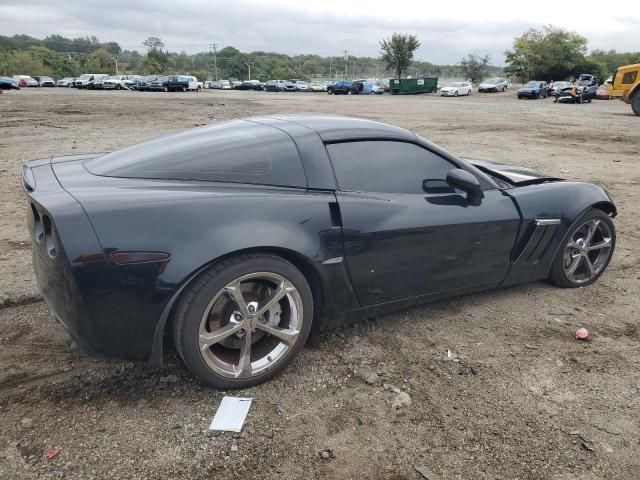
{"x":235,"y":240}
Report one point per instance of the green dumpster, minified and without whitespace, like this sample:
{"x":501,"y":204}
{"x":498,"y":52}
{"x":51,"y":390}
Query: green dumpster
{"x":409,"y":86}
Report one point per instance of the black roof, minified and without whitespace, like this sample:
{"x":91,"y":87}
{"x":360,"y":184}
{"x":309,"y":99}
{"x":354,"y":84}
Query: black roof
{"x":334,"y":128}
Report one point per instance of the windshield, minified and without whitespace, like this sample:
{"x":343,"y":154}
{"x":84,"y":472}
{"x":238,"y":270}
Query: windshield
{"x":453,"y":84}
{"x":491,"y":80}
{"x":84,"y":76}
{"x":532,"y":84}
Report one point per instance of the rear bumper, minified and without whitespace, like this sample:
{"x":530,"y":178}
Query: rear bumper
{"x":94,"y":299}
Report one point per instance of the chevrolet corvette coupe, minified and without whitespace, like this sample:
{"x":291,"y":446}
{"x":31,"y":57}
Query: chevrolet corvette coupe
{"x":232,"y":242}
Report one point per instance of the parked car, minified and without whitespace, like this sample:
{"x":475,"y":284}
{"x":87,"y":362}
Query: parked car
{"x":235,"y":82}
{"x":556,"y":87}
{"x":197,"y":236}
{"x":250,"y":85}
{"x":272,"y":86}
{"x":98,"y":82}
{"x":602,"y":93}
{"x":288,"y":86}
{"x":158,"y":84}
{"x":183,"y":83}
{"x":496,"y":84}
{"x":373,"y":88}
{"x":7,"y":83}
{"x":225,"y":85}
{"x":65,"y":82}
{"x":317,"y":87}
{"x":142,"y":83}
{"x":116,"y":82}
{"x":211,"y":84}
{"x":587,"y":80}
{"x":533,"y":89}
{"x":302,"y":86}
{"x":345,"y":87}
{"x":83,"y":80}
{"x":25,"y":81}
{"x":45,"y":81}
{"x":454,"y":89}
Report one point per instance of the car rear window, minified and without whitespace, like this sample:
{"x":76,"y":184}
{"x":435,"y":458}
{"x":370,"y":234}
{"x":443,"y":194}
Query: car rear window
{"x":237,"y":151}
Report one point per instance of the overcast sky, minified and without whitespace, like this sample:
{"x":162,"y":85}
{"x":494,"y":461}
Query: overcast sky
{"x":447,"y":29}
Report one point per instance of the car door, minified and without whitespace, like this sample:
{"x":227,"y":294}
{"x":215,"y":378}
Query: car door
{"x":403,"y":238}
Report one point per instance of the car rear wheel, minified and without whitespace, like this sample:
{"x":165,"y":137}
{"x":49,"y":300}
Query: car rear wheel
{"x":586,"y":251}
{"x":455,"y":94}
{"x":118,"y":87}
{"x":243,"y":320}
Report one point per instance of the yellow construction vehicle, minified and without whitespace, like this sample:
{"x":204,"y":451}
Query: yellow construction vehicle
{"x":625,"y":84}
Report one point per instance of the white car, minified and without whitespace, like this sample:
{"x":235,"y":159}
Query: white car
{"x":65,"y":82}
{"x":497,"y":84}
{"x":225,"y":85}
{"x":116,"y":82}
{"x":26,"y":81}
{"x":89,"y":80}
{"x":454,"y":89}
{"x":317,"y":87}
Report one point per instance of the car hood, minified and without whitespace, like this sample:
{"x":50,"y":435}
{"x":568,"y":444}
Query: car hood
{"x":513,"y":174}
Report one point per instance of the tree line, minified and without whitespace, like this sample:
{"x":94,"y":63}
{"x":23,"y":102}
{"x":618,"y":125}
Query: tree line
{"x":550,"y":53}
{"x":58,"y":57}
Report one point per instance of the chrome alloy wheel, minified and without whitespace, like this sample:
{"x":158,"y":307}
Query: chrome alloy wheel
{"x":587,"y":251}
{"x":250,"y":325}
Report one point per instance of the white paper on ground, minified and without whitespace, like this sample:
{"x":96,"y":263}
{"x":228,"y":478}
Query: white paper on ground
{"x":231,"y":414}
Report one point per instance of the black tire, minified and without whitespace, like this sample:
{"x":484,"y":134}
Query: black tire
{"x":635,"y":102}
{"x":197,"y":296}
{"x":118,"y":87}
{"x":557,"y":274}
{"x":455,"y":94}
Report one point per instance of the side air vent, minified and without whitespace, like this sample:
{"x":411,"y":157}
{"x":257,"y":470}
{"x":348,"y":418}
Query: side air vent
{"x":539,"y":240}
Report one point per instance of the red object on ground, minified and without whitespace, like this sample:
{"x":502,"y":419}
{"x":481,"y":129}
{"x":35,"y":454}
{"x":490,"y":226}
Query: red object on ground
{"x":582,"y":334}
{"x":51,"y":453}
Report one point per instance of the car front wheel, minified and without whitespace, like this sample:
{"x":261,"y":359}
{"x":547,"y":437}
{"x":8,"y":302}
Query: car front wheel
{"x":243,"y":320}
{"x":585,"y":252}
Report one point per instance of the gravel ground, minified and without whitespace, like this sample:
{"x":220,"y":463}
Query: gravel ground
{"x":522,"y":400}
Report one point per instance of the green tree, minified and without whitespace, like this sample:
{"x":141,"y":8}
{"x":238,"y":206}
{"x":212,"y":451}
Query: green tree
{"x":153,"y":43}
{"x":474,"y":67}
{"x":100,"y":61}
{"x":548,"y":54}
{"x":397,"y":52}
{"x":156,"y":61}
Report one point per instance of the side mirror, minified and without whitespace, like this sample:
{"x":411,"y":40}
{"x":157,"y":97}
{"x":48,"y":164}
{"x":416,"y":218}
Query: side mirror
{"x":465,"y":181}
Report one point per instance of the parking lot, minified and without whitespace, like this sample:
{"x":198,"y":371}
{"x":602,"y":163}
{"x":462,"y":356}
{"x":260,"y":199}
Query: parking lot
{"x":517,"y":397}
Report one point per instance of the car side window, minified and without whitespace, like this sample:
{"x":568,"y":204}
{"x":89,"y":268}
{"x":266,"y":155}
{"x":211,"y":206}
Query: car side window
{"x":385,"y":166}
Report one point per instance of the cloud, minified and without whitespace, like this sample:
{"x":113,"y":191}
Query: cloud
{"x":446,"y":34}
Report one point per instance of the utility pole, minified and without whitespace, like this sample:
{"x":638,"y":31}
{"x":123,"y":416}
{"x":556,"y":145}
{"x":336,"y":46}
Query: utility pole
{"x":213,"y":47}
{"x":346,"y":65}
{"x":249,"y":70}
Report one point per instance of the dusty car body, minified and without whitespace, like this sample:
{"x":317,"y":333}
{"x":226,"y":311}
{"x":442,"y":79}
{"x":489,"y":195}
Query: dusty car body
{"x":233,"y":241}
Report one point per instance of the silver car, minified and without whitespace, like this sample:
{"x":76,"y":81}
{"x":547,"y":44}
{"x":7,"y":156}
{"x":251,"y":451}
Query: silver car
{"x":496,"y":84}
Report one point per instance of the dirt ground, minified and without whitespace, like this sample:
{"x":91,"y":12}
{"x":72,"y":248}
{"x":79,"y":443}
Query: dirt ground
{"x":522,"y":400}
